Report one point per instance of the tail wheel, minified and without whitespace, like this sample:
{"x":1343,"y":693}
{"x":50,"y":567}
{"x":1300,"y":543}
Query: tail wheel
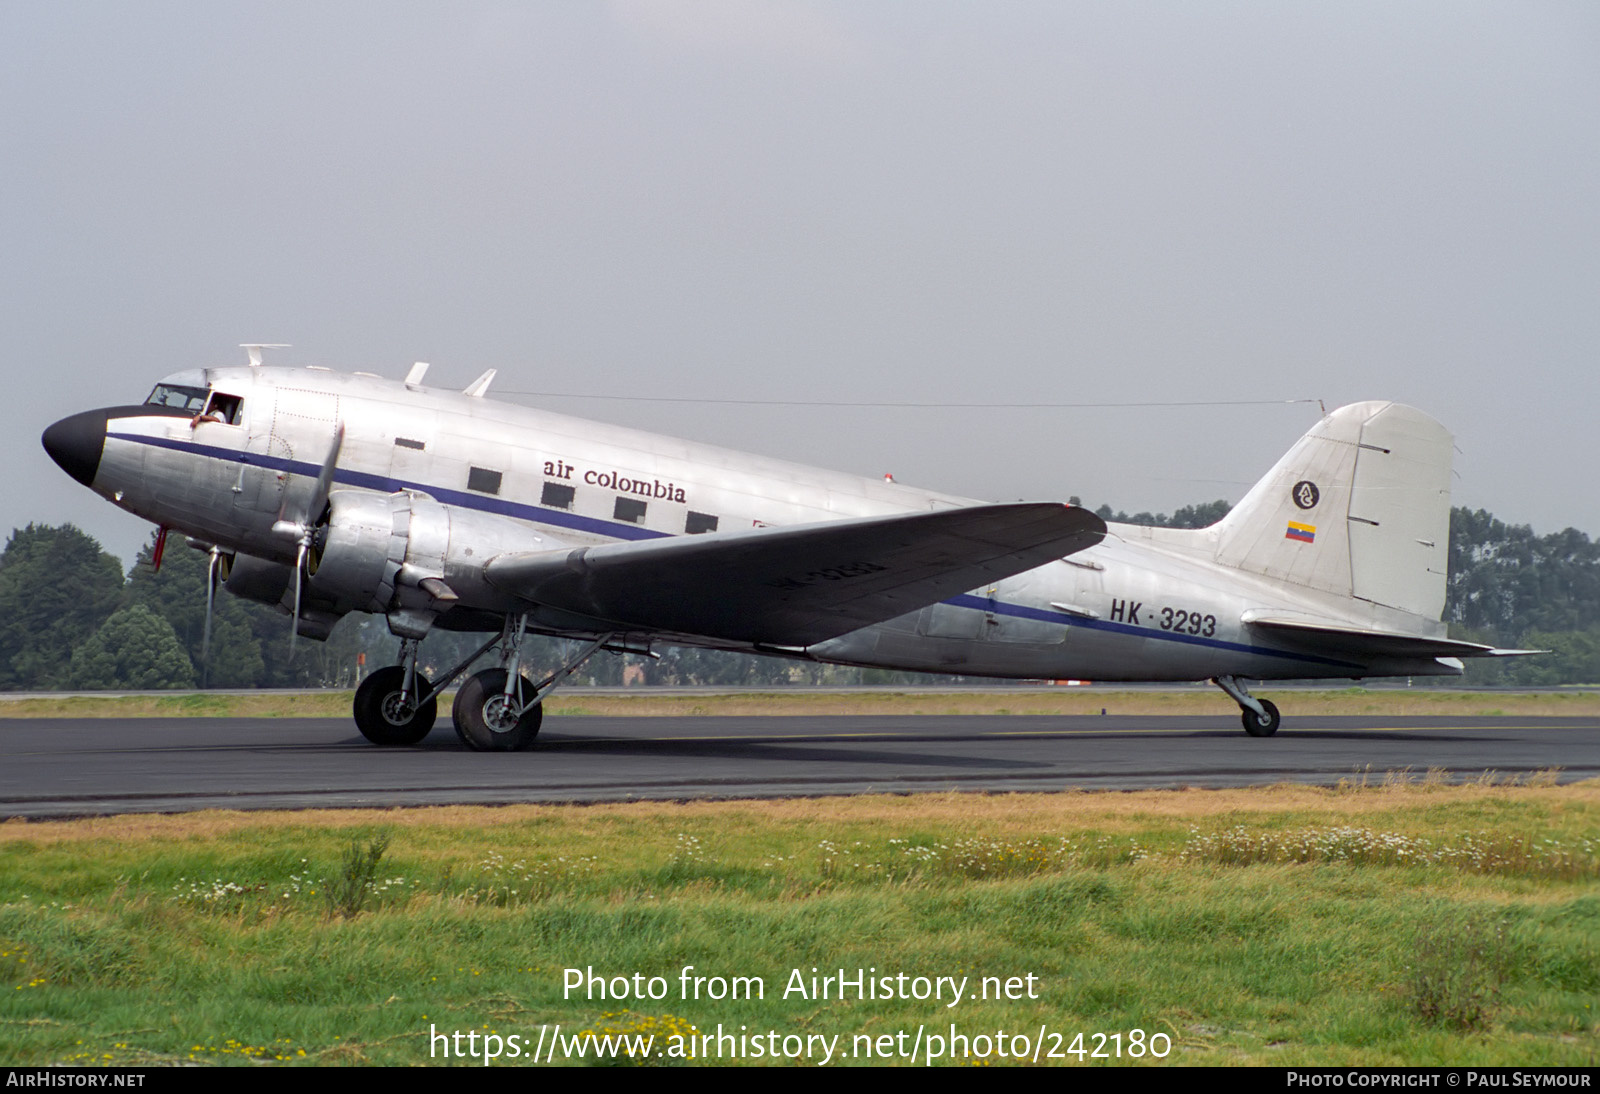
{"x":1264,"y":724}
{"x":487,"y":722}
{"x":383,"y":718}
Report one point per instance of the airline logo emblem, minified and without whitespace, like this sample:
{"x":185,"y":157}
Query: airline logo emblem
{"x":1305,"y":533}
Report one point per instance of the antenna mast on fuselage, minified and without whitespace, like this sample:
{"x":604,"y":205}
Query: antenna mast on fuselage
{"x":254,"y":350}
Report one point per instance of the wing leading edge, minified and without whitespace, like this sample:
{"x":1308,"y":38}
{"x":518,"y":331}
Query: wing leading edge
{"x":802,"y":584}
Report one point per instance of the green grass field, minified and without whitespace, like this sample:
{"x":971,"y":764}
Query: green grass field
{"x":1405,"y":923}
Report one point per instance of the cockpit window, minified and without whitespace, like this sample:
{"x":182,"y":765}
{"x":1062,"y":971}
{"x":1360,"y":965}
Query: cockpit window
{"x":179,"y":396}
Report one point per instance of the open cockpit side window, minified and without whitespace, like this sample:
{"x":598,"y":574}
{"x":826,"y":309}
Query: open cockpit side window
{"x":224,"y":408}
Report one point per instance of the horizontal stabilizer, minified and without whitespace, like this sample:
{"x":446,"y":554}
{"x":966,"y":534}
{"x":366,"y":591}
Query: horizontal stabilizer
{"x":1351,"y":638}
{"x":797,"y":585}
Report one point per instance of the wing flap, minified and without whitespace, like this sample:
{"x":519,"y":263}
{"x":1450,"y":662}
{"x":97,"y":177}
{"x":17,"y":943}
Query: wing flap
{"x":797,"y":585}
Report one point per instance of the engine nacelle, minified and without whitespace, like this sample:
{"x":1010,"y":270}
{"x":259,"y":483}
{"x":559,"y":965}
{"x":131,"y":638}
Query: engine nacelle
{"x":407,"y":553}
{"x":256,"y":579}
{"x":273,"y":583}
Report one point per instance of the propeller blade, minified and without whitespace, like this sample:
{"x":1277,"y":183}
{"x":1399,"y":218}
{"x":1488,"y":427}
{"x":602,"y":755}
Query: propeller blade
{"x":324,"y":484}
{"x":300,"y":523}
{"x":211,"y":602}
{"x":299,"y":572}
{"x":297,"y":519}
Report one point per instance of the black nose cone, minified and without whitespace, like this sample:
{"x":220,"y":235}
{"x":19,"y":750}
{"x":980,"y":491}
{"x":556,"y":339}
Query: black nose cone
{"x":76,"y":443}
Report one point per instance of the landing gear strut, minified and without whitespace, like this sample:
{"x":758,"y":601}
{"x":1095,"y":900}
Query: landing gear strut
{"x":387,"y":706}
{"x":497,"y":710}
{"x":500,"y":710}
{"x":1260,"y":716}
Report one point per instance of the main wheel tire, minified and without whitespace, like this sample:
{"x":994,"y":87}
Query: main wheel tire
{"x":1258,"y":726}
{"x":383,"y":719}
{"x":482,"y":715}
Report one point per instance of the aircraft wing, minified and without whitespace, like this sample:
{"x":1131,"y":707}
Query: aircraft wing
{"x":1351,"y":638}
{"x":796,"y":585}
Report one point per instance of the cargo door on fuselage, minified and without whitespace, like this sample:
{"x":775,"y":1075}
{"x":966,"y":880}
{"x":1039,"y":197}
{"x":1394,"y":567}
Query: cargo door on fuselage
{"x":1014,"y":615}
{"x":945,"y":620}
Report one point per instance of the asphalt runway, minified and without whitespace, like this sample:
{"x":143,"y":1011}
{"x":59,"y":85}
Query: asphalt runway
{"x":79,"y":767}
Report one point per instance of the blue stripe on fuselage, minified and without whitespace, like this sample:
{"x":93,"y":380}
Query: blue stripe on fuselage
{"x":1022,"y":611}
{"x":560,"y":518}
{"x":487,"y":503}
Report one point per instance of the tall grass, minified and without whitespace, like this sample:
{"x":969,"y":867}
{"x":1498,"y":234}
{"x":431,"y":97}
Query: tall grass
{"x":1393,"y":925}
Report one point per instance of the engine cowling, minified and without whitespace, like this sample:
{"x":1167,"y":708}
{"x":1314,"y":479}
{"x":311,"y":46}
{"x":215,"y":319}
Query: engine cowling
{"x":407,"y":553}
{"x":359,"y":550}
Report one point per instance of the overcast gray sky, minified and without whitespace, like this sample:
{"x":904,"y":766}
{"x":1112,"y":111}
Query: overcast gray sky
{"x":799,"y":199}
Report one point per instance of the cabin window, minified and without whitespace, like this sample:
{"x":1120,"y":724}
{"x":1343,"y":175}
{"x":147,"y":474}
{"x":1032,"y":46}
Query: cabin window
{"x":483,"y":480}
{"x":407,"y":442}
{"x":700,"y":522}
{"x":557,"y":495}
{"x":179,"y":396}
{"x":630,"y":510}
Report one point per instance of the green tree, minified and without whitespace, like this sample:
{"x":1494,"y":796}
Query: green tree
{"x":1203,"y":515}
{"x":177,"y":593}
{"x":135,"y":649}
{"x":56,"y":588}
{"x":1574,"y":658}
{"x":1505,"y":581}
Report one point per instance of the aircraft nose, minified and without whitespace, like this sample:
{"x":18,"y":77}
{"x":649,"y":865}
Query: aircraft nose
{"x":76,"y":443}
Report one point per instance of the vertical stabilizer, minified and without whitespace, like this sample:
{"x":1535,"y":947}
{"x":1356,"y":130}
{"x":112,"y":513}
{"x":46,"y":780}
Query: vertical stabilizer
{"x":1359,"y":507}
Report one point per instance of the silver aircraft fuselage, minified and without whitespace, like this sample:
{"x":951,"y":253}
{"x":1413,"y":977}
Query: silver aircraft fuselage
{"x":1143,"y":604}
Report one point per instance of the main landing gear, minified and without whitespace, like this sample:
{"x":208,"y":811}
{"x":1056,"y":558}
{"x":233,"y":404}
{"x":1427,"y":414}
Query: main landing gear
{"x":493,"y":716}
{"x":1260,"y":716}
{"x":496,"y":710}
{"x":387,"y":708}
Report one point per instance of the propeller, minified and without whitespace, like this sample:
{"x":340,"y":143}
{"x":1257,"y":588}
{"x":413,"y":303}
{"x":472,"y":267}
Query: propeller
{"x":300,"y":523}
{"x":214,"y":555}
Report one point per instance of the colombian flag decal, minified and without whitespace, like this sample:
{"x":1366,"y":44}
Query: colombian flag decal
{"x":1305,"y":533}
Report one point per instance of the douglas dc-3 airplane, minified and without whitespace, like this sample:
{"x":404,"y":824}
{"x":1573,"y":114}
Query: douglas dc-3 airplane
{"x":326,"y":493}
